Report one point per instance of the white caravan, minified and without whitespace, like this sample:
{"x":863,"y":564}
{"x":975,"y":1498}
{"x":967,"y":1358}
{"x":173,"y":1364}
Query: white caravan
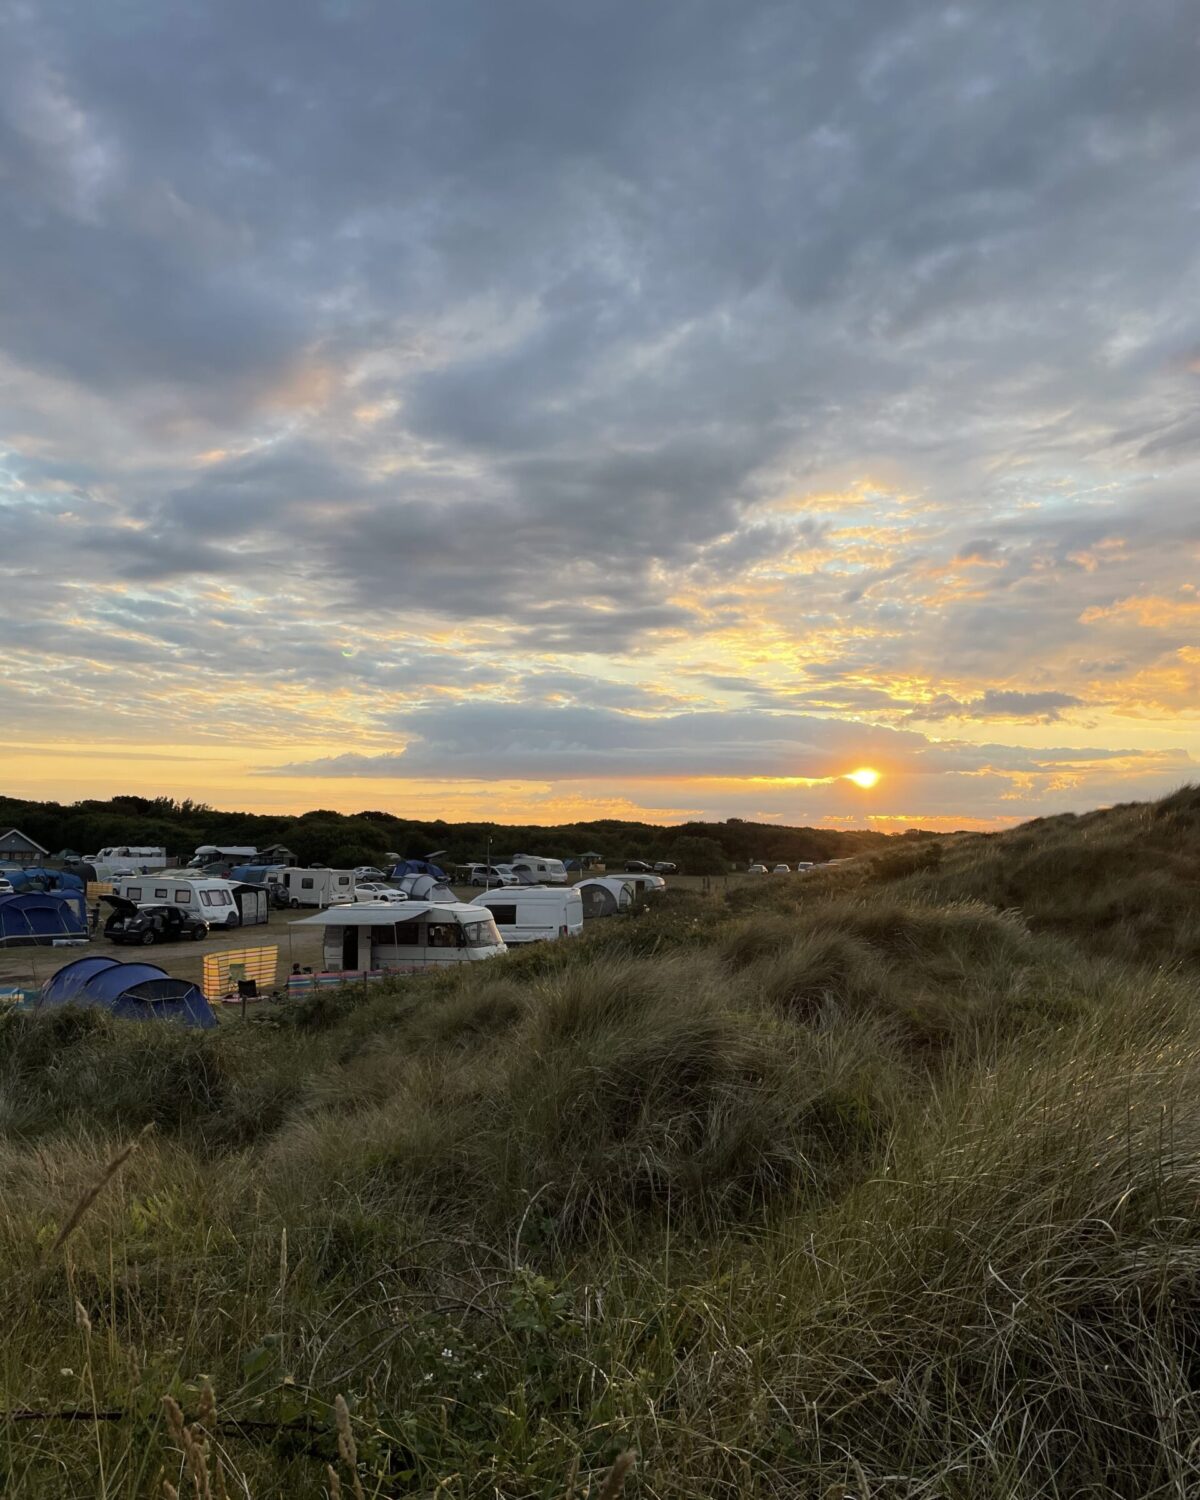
{"x":128,"y":857}
{"x":534,"y":913}
{"x":534,"y":869}
{"x":209,"y":899}
{"x":316,"y":887}
{"x":404,"y":939}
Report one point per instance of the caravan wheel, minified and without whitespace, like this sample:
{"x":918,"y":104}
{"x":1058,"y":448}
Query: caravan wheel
{"x":294,"y":904}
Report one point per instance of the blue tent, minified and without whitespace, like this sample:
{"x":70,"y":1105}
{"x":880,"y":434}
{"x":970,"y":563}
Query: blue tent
{"x":417,"y":867}
{"x":42,"y":916}
{"x":134,"y":992}
{"x":43,"y":880}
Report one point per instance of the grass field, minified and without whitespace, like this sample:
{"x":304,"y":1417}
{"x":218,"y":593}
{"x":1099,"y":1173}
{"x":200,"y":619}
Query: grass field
{"x":879,"y":1183}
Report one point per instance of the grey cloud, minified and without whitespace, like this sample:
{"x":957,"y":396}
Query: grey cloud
{"x":531,"y":741}
{"x":1042,"y":707}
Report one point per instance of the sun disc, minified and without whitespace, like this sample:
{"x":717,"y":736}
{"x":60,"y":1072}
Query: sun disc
{"x":864,"y":777}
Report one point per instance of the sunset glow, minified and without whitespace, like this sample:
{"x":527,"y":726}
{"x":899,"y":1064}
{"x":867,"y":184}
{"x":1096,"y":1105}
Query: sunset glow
{"x":866,"y":778}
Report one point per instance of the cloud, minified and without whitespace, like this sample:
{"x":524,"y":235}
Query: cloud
{"x":533,"y":741}
{"x":1042,"y":708}
{"x":837,"y":360}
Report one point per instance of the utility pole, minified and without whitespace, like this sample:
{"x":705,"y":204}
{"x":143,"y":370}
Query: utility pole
{"x":487,"y":874}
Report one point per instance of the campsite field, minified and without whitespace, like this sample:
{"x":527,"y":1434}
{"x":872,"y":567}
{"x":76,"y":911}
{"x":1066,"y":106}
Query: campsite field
{"x":884,"y":1182}
{"x":302,"y":945}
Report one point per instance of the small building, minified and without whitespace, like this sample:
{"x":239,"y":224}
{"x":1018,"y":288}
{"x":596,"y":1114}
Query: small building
{"x":276,"y":854}
{"x":18,"y":849}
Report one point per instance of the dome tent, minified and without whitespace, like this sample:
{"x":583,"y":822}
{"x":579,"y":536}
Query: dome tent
{"x":132,"y":992}
{"x":36,"y":879}
{"x":42,"y":916}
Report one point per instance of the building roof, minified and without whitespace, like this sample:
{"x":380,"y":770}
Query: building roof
{"x":25,"y":839}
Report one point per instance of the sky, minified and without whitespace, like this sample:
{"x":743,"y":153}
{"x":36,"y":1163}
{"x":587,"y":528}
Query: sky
{"x":552,"y":410}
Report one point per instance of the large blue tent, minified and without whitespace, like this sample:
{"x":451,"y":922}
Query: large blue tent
{"x":43,"y":880}
{"x":42,"y":916}
{"x":133,"y":991}
{"x":417,"y":867}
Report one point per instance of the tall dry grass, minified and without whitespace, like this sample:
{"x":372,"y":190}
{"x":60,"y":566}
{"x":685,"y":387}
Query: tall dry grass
{"x":883,"y":1184}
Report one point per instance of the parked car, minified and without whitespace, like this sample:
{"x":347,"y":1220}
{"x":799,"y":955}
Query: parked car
{"x":6,"y":887}
{"x":756,"y":870}
{"x":492,"y":875}
{"x":638,"y":867}
{"x":782,"y":870}
{"x":368,"y":873}
{"x":130,"y":923}
{"x":372,"y":890}
{"x":665,"y":867}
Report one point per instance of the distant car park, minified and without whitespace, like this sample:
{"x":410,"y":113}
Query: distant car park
{"x":782,"y":870}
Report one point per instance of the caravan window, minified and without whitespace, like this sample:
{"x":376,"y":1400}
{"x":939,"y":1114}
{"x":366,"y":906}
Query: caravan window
{"x":443,"y":935}
{"x":480,"y":935}
{"x":183,"y":897}
{"x":505,"y":914}
{"x":133,"y":892}
{"x":407,"y":934}
{"x":161,"y":893}
{"x":306,"y":884}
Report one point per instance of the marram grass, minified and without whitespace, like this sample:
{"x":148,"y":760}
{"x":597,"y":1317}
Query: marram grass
{"x":886,"y":1184}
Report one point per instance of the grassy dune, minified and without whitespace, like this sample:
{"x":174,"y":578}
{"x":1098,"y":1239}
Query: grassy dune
{"x":879,"y":1183}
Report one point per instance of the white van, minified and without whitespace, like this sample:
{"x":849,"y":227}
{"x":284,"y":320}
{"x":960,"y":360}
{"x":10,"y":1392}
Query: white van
{"x":230,"y":854}
{"x":211,"y":900}
{"x":129,"y":856}
{"x":534,"y":913}
{"x":316,"y":887}
{"x":404,"y":939}
{"x":533,"y":869}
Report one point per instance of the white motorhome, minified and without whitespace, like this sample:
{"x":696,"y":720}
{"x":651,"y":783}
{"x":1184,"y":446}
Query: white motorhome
{"x":316,"y":887}
{"x":535,"y":869}
{"x":404,"y":939}
{"x":210,"y":854}
{"x":128,"y":856}
{"x":212,"y":900}
{"x":534,"y":913}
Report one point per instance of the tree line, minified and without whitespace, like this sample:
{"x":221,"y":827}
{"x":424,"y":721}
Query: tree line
{"x":347,"y":839}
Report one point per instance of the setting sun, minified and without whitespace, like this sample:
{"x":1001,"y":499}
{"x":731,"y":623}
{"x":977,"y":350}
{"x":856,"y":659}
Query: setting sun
{"x":865,"y":777}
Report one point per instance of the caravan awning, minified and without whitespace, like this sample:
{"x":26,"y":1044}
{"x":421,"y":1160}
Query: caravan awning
{"x":387,"y":913}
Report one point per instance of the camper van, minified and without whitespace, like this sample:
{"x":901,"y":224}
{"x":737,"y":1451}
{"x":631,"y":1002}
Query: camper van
{"x":213,"y":901}
{"x":316,"y":887}
{"x":363,"y":938}
{"x":225,"y":854}
{"x":128,"y":857}
{"x":534,"y":913}
{"x":533,"y":869}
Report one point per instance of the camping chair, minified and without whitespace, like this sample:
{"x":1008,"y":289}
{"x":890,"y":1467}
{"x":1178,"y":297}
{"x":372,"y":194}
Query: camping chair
{"x":247,"y":989}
